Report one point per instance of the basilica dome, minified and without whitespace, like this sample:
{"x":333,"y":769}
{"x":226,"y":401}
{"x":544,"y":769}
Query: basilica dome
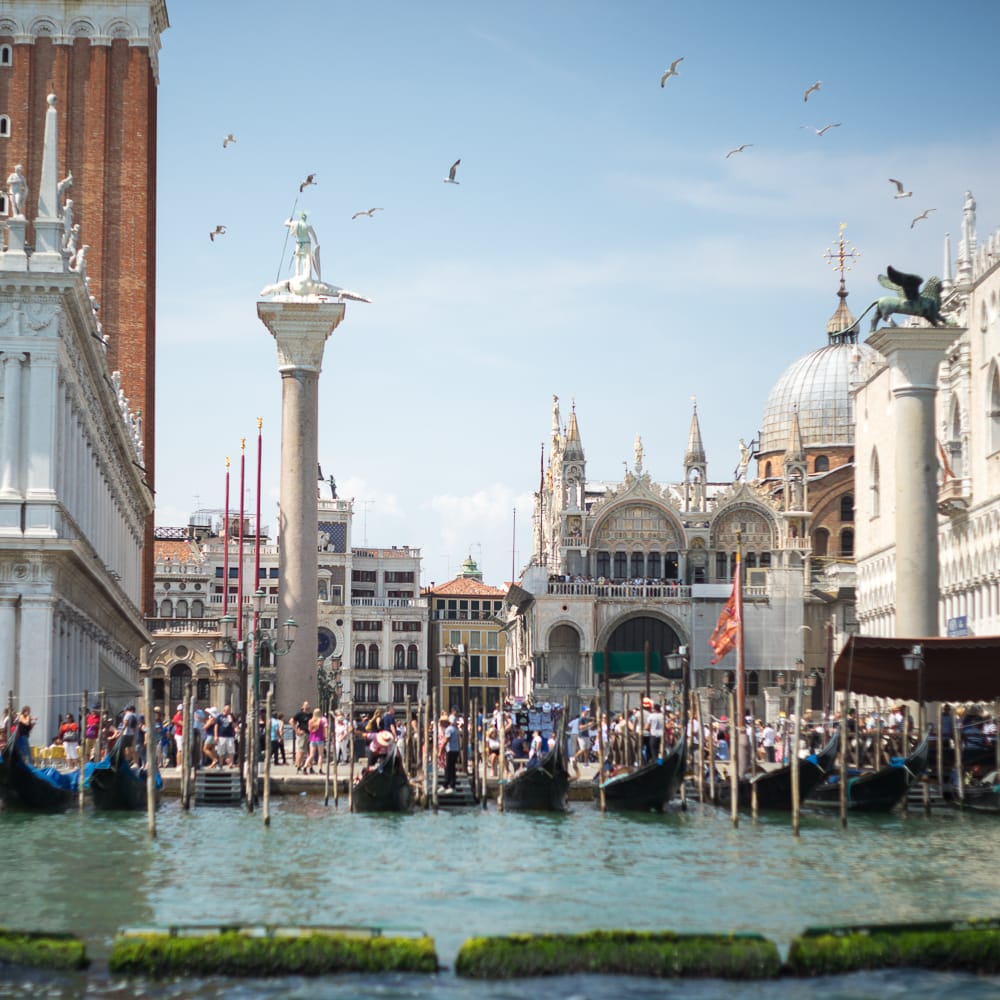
{"x":818,"y":387}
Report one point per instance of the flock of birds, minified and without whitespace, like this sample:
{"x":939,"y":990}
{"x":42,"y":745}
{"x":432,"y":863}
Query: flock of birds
{"x":310,"y":181}
{"x":809,"y":91}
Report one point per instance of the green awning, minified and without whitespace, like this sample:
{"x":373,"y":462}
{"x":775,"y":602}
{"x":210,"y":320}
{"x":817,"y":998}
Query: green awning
{"x":628,"y":663}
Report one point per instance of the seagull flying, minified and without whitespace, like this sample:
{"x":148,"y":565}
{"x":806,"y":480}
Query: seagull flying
{"x":310,"y":180}
{"x":229,"y":138}
{"x":370,"y":213}
{"x":812,"y":89}
{"x":899,"y":188}
{"x":450,"y":179}
{"x":218,"y":231}
{"x":739,"y":149}
{"x":671,"y":72}
{"x":823,"y":130}
{"x":922,"y":215}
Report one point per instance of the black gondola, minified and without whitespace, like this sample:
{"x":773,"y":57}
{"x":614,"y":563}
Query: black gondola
{"x":40,"y":789}
{"x":649,"y":787}
{"x":874,"y":791}
{"x":774,"y":788}
{"x":983,"y":797}
{"x":115,"y":784}
{"x":384,"y":787}
{"x":545,"y":786}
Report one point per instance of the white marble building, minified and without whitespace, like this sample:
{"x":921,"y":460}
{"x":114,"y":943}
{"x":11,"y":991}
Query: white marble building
{"x":73,"y":497}
{"x":968,"y":432}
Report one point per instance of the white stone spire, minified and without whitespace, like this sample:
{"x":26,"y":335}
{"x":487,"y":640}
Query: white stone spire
{"x":48,"y":254}
{"x":946,"y":281}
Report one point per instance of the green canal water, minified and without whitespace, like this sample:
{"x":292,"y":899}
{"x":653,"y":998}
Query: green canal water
{"x":463,"y":873}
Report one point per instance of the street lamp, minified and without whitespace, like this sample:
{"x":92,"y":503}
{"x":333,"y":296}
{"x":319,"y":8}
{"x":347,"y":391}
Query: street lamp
{"x":914,"y":660}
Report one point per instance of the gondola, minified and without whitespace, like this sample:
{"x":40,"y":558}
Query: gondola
{"x":983,"y":797}
{"x":774,"y":788}
{"x":40,"y":789}
{"x":115,"y":784}
{"x":543,"y":787}
{"x":384,"y":787}
{"x":874,"y":791}
{"x":649,"y":787}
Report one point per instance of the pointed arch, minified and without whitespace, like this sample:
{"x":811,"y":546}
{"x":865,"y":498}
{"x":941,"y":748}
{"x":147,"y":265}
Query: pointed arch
{"x":876,"y":485}
{"x":993,"y":409}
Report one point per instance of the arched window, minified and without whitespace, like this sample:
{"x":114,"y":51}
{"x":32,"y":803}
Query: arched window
{"x":638,"y":565}
{"x":166,"y":609}
{"x":6,"y":55}
{"x":767,"y":470}
{"x":993,"y":414}
{"x":721,"y":565}
{"x":411,"y":657}
{"x":197,"y":609}
{"x":847,"y":543}
{"x":180,"y":674}
{"x":821,"y":464}
{"x":181,"y":609}
{"x":751,"y":560}
{"x":954,"y":449}
{"x":753,"y":684}
{"x":621,"y":565}
{"x":4,"y":126}
{"x":821,"y":542}
{"x":847,"y":507}
{"x":399,"y":656}
{"x":653,"y":566}
{"x":359,"y":657}
{"x":603,"y":564}
{"x":765,"y":559}
{"x":876,"y":486}
{"x":373,"y":657}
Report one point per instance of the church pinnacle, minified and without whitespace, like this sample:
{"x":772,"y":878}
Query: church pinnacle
{"x":695,"y":453}
{"x":841,"y":327}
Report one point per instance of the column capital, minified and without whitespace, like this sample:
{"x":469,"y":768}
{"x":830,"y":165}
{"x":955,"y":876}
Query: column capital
{"x":915,"y":351}
{"x":300,"y":329}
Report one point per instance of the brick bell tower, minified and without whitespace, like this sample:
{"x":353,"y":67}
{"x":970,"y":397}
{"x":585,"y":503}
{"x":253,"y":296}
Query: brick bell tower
{"x":100,"y":58}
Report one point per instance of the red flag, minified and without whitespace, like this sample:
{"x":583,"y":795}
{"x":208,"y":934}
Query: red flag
{"x":946,"y":472}
{"x":727,"y":629}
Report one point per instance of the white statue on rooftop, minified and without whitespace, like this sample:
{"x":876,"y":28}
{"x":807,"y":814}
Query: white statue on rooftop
{"x":307,"y":279}
{"x":17,"y":189}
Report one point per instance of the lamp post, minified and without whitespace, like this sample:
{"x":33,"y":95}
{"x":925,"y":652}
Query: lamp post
{"x":914,"y":660}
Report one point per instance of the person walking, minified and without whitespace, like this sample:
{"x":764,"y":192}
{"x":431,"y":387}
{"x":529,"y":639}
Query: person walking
{"x":300,"y":726}
{"x":317,"y":741}
{"x":453,"y":747}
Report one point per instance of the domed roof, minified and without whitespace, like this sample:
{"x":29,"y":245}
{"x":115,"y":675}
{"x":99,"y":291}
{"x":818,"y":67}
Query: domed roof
{"x":817,"y":387}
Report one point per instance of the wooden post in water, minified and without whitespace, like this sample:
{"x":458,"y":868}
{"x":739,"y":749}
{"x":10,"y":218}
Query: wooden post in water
{"x":151,"y":751}
{"x":434,"y":753}
{"x":794,"y":763}
{"x":878,"y":736}
{"x":267,"y":761}
{"x":700,"y":756}
{"x":957,"y":726}
{"x":734,"y":769}
{"x":81,"y":744}
{"x":350,"y":763}
{"x":843,"y":759}
{"x":904,"y":750}
{"x":502,"y":761}
{"x":473,"y":747}
{"x":600,"y":751}
{"x":186,"y":719}
{"x":336,"y":765}
{"x":424,"y":758}
{"x":327,"y":742}
{"x":484,"y":758}
{"x":711,"y":754}
{"x":940,"y":751}
{"x":100,"y":728}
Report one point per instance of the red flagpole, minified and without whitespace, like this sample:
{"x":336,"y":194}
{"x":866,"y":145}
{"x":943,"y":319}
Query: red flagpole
{"x":225,"y":551}
{"x":239,"y":575}
{"x":256,"y":568}
{"x":740,"y":666}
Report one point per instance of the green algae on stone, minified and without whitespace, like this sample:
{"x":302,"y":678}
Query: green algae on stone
{"x":37,"y":948}
{"x":238,"y":953}
{"x":661,"y":954}
{"x":956,"y":946}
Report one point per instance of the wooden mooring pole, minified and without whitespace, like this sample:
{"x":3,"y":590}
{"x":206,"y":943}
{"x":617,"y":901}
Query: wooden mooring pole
{"x":152,"y":748}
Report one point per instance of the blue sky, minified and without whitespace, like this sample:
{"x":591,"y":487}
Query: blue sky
{"x":600,"y":245}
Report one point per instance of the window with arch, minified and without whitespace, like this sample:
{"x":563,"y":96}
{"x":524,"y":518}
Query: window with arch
{"x":638,"y":565}
{"x":653,"y":566}
{"x":411,"y":657}
{"x":181,"y":609}
{"x":767,"y":470}
{"x":847,"y":507}
{"x":603,"y":564}
{"x":821,"y":542}
{"x":621,"y":565}
{"x":751,"y":560}
{"x":847,"y":543}
{"x":6,"y":55}
{"x":373,"y":657}
{"x":954,"y":449}
{"x":197,"y":609}
{"x":993,"y":414}
{"x":203,"y":689}
{"x":3,"y":203}
{"x":821,"y":464}
{"x":360,"y":657}
{"x":399,"y":656}
{"x":166,"y":609}
{"x":753,"y":684}
{"x":180,"y":675}
{"x":721,"y":565}
{"x":876,"y":485}
{"x":4,"y":126}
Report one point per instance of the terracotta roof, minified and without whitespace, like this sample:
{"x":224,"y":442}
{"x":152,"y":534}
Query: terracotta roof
{"x":176,"y":551}
{"x":464,"y":586}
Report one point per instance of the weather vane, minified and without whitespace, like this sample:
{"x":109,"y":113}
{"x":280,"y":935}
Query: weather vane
{"x":839,"y":257}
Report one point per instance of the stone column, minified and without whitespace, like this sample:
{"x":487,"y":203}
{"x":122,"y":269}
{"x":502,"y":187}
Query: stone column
{"x":300,"y":327}
{"x":913,"y":354}
{"x":10,"y":456}
{"x":8,"y":643}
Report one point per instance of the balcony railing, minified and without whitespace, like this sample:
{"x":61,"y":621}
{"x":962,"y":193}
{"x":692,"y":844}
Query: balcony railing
{"x":184,"y":626}
{"x":386,"y":602}
{"x":458,"y":615}
{"x":641,"y":591}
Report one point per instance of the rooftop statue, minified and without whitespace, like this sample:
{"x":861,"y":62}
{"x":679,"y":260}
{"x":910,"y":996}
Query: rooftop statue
{"x":307,"y":279}
{"x":910,"y":300}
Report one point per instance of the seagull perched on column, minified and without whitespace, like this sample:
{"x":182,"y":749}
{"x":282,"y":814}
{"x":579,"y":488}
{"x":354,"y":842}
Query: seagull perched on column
{"x":450,"y":179}
{"x":899,"y":187}
{"x":218,"y":231}
{"x":310,"y":180}
{"x":812,"y":89}
{"x":229,"y":138}
{"x":671,"y":72}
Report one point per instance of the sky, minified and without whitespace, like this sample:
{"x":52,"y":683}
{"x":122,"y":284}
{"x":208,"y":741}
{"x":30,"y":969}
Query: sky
{"x":600,"y":245}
